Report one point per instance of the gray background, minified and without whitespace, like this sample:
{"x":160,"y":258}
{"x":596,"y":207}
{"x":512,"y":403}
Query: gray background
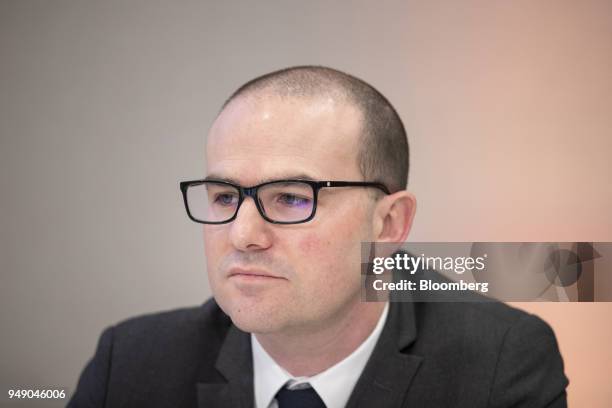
{"x":104,"y":107}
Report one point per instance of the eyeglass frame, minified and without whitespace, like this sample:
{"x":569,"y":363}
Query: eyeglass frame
{"x":252,"y":192}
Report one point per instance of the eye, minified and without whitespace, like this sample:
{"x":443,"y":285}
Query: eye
{"x":226,"y":199}
{"x":292,"y":200}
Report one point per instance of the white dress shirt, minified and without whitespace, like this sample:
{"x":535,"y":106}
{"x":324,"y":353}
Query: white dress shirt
{"x":333,"y":385}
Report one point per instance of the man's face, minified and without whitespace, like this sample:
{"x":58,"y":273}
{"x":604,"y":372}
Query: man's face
{"x":315,"y":265}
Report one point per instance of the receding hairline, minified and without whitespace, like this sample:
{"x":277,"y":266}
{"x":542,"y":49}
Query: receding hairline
{"x":300,"y":81}
{"x":383,"y":152}
{"x":341,"y":103}
{"x":256,"y":95}
{"x":319,"y":90}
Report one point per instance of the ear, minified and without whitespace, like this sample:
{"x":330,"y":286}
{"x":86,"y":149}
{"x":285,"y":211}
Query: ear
{"x":393,"y":217}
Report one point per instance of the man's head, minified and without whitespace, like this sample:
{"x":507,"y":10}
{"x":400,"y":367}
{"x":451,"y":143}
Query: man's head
{"x":304,"y":122}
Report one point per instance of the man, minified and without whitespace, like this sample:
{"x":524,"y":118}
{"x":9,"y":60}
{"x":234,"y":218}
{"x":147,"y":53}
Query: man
{"x":303,"y":165}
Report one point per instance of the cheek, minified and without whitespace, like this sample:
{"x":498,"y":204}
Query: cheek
{"x":213,"y":249}
{"x":328,"y":251}
{"x":311,"y":244}
{"x":331,"y":268}
{"x":317,"y":255}
{"x":338,"y":235}
{"x":323,"y":249}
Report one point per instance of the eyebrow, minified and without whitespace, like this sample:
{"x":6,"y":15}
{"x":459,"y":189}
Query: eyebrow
{"x":287,"y":176}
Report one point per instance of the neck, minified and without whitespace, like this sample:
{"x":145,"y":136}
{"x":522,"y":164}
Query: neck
{"x":309,"y":352}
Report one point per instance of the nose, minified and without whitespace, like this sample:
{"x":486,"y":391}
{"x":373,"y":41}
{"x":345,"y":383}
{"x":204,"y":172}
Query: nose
{"x":249,"y":231}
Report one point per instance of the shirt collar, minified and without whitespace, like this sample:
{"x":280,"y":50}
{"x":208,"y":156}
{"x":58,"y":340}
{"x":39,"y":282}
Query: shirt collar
{"x":333,"y":385}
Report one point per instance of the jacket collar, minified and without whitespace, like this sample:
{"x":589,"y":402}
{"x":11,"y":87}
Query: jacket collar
{"x":235,"y":363}
{"x":389,"y":372}
{"x":377,"y":386}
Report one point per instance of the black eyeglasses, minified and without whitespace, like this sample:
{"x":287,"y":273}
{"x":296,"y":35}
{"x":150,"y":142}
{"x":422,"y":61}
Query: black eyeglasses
{"x":278,"y":201}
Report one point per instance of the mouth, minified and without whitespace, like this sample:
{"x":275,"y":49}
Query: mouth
{"x":251,"y":274}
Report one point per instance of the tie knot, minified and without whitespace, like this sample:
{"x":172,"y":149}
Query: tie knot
{"x":299,"y":398}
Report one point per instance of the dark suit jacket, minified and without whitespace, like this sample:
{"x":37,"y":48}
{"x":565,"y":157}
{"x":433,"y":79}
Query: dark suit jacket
{"x":428,"y":355}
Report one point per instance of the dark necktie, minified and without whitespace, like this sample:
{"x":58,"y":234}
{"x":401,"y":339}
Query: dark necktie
{"x":301,"y":398}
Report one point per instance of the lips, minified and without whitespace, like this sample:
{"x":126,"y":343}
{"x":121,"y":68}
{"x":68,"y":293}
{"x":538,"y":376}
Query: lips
{"x":251,"y":273}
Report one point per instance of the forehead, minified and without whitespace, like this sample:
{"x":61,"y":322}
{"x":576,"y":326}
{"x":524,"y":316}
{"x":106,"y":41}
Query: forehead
{"x":260,"y":138}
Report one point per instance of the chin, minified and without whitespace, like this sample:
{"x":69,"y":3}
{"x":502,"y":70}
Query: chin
{"x":250,"y":322}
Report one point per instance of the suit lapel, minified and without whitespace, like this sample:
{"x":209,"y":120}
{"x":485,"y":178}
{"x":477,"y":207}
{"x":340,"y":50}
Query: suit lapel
{"x":389,"y":371}
{"x":383,"y":383}
{"x":236,"y":365}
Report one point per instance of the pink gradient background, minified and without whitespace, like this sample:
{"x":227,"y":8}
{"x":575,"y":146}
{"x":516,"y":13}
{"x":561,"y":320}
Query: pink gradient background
{"x":511,"y":113}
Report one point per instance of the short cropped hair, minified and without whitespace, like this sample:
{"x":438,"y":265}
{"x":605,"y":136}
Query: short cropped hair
{"x":384,"y":153}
